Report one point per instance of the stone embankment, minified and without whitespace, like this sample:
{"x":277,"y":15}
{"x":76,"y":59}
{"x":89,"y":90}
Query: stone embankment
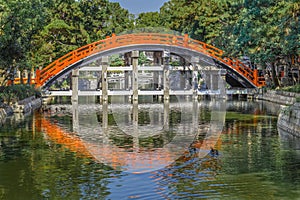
{"x":23,"y":106}
{"x":289,"y":116}
{"x":5,"y":111}
{"x":27,"y":105}
{"x":289,"y":119}
{"x":280,"y":97}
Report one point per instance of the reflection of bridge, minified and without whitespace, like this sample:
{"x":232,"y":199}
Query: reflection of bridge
{"x":196,"y":53}
{"x":94,"y":137}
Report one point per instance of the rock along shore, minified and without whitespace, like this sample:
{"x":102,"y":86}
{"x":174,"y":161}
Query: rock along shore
{"x":24,"y":106}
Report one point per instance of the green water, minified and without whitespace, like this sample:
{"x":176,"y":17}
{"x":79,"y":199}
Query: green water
{"x":255,"y":160}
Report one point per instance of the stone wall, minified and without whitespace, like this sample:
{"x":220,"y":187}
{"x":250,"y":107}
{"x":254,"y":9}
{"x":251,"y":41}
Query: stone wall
{"x":2,"y":115}
{"x":4,"y":112}
{"x":289,"y":119}
{"x":280,"y":97}
{"x":23,"y":106}
{"x":289,"y":116}
{"x":26,"y":105}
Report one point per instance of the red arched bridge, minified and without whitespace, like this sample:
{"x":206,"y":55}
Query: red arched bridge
{"x":182,"y":45}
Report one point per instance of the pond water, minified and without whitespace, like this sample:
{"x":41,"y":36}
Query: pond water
{"x":150,"y":151}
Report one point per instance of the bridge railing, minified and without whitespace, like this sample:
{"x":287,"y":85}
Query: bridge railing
{"x":144,"y":38}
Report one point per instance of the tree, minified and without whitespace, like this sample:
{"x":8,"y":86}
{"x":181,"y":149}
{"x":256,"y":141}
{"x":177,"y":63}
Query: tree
{"x":201,"y":19}
{"x":19,"y":22}
{"x":119,"y":19}
{"x":143,"y":60}
{"x":267,"y":31}
{"x":76,"y":23}
{"x":116,"y":61}
{"x":148,"y":19}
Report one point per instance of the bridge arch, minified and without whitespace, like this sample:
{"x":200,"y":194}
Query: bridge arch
{"x":181,"y":45}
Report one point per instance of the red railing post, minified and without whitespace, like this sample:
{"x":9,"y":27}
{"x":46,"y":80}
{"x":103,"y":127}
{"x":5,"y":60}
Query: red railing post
{"x":9,"y":82}
{"x":186,"y":40}
{"x":37,"y":78}
{"x":113,"y":39}
{"x":255,"y":75}
{"x":174,"y":40}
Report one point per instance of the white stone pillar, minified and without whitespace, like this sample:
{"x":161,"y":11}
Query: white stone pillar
{"x":195,"y":61}
{"x":135,"y":56}
{"x":166,"y":73}
{"x":127,"y":57}
{"x":75,"y":75}
{"x":157,"y":61}
{"x":104,"y":63}
{"x":75,"y":119}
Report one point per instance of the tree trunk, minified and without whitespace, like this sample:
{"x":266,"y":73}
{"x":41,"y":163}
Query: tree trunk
{"x":274,"y":75}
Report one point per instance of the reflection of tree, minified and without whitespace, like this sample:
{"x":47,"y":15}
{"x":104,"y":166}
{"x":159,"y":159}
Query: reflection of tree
{"x":260,"y":150}
{"x":251,"y":162}
{"x":60,"y":174}
{"x":34,"y":168}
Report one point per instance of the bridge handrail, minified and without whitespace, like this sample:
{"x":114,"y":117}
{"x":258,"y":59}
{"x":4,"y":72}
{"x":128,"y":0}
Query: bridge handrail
{"x":145,"y":38}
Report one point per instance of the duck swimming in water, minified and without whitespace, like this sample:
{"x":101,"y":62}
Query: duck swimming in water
{"x":214,"y":152}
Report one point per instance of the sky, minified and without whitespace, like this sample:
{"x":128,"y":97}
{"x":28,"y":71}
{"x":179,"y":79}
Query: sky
{"x":139,"y":6}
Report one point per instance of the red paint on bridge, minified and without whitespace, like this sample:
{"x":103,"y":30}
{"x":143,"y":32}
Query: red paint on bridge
{"x":42,"y":76}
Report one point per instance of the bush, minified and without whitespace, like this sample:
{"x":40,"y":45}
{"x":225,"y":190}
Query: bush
{"x":295,"y":88}
{"x":16,"y":93}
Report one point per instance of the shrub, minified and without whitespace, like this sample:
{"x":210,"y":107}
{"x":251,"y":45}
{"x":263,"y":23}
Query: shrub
{"x":15,"y":93}
{"x":295,"y":88}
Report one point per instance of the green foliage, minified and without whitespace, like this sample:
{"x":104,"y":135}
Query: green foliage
{"x":34,"y":33}
{"x":19,"y":22}
{"x":201,"y":19}
{"x":143,"y":60}
{"x":151,"y":30}
{"x":149,"y":19}
{"x":295,"y":88}
{"x":116,"y":61}
{"x":267,"y":31}
{"x":175,"y":63}
{"x":15,"y":93}
{"x":244,"y":116}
